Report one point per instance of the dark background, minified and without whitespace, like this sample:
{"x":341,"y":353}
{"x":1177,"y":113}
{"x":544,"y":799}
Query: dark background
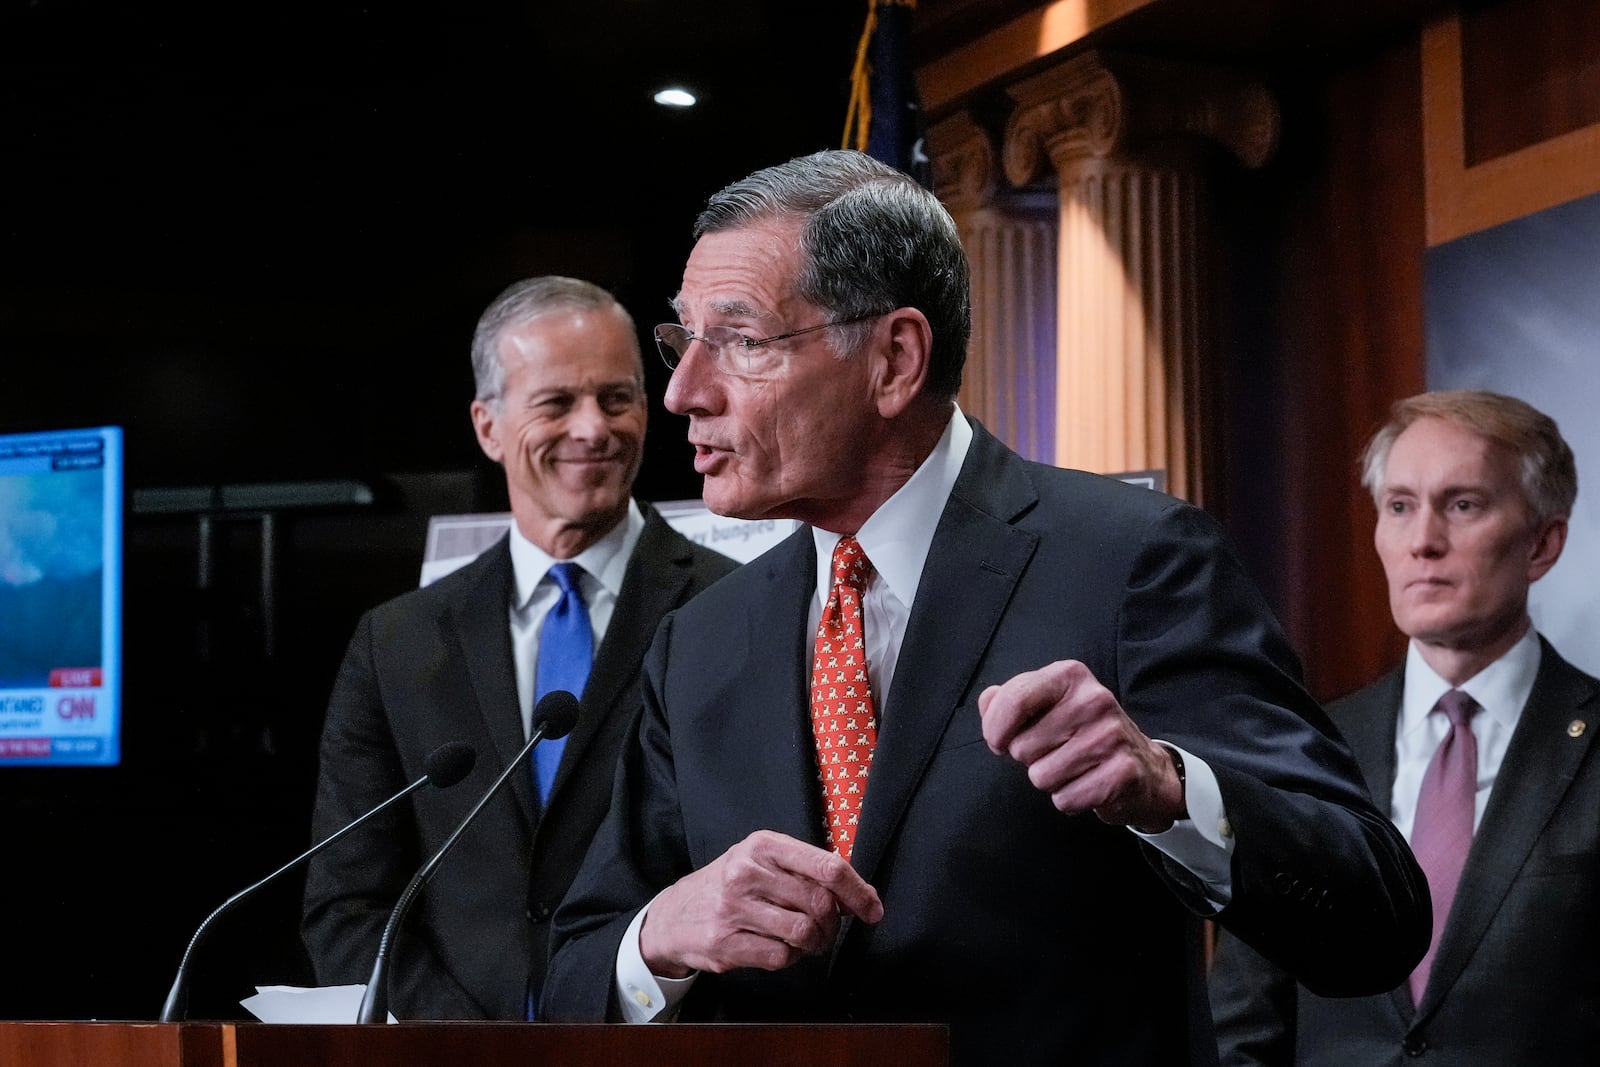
{"x":257,"y":236}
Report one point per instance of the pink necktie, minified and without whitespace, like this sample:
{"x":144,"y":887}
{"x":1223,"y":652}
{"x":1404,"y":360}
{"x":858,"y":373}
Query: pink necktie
{"x":843,"y":718}
{"x":1442,"y":833}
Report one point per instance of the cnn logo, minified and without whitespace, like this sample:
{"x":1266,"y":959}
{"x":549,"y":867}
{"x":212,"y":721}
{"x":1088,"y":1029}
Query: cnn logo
{"x":80,"y":707}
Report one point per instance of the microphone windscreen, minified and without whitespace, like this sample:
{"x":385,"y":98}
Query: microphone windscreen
{"x":557,"y":712}
{"x":449,"y":763}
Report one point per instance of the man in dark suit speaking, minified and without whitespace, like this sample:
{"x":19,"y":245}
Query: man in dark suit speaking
{"x":972,"y":824}
{"x":1474,"y":490}
{"x":583,"y":578}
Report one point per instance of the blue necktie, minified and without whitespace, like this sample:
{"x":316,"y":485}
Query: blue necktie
{"x":566,"y":649}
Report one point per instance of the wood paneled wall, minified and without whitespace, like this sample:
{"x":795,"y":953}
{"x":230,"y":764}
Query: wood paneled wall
{"x":1530,"y":73}
{"x":1325,"y":332}
{"x":1511,"y":112}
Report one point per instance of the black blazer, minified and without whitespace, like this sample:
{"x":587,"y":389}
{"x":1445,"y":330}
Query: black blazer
{"x":1039,"y":938}
{"x":435,"y":665}
{"x":1517,"y":976}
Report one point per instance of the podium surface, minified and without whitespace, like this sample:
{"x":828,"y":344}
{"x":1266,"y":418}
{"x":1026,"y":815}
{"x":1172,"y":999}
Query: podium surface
{"x":63,"y":1044}
{"x":218,"y":1044}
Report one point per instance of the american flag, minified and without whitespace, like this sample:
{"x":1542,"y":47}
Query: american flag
{"x":885,"y":117}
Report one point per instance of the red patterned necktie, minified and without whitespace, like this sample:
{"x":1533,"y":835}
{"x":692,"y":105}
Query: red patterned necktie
{"x":1442,"y":833}
{"x":844,"y":719}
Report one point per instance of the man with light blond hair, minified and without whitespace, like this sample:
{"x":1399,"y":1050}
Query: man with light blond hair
{"x":1473,"y":491}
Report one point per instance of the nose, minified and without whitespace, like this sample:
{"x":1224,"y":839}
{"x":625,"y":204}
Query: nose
{"x":587,"y":421}
{"x":1429,"y":534}
{"x":691,"y":389}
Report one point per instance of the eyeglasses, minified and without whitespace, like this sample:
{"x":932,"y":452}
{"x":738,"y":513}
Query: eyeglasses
{"x":731,"y":349}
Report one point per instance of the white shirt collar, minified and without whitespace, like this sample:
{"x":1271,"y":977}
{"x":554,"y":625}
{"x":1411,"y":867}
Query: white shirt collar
{"x":1501,"y":689}
{"x":897,"y":536}
{"x":605,"y":561}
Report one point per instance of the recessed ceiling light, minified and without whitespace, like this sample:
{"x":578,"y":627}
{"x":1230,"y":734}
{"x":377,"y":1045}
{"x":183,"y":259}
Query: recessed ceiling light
{"x":675,"y":98}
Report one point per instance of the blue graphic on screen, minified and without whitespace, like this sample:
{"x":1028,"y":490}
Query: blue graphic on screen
{"x":60,"y":596}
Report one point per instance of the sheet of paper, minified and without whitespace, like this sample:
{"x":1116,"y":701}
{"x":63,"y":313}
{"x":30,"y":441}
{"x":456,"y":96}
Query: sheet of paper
{"x":298,"y":1004}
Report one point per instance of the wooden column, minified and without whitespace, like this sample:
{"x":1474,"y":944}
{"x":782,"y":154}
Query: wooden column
{"x":1010,"y":238}
{"x":1130,"y":140}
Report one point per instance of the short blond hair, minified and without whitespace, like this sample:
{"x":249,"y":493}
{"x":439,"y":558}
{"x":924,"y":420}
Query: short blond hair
{"x":1549,"y":472}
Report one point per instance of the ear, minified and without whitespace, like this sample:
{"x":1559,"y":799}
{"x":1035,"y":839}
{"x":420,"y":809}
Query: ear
{"x":483,"y":416}
{"x":901,"y":361}
{"x":1549,"y":538}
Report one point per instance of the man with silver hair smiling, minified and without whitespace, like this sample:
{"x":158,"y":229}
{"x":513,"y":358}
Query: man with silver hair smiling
{"x":560,"y":406}
{"x":1480,"y":747}
{"x":981,"y":742}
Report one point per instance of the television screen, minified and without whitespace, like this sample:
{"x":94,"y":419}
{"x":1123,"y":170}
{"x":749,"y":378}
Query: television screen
{"x":61,"y":498}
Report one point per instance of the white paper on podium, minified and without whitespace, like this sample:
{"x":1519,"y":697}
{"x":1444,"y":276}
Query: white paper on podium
{"x":298,"y":1004}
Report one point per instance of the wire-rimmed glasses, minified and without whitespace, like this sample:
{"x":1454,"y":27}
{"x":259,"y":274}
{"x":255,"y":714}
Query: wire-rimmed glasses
{"x":731,"y":349}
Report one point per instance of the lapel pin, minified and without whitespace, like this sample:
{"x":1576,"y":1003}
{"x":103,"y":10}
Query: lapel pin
{"x":1576,"y":727}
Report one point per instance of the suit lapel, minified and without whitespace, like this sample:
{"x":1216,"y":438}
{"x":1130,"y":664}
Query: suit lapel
{"x":974,"y":563}
{"x":656,"y":576}
{"x":776,"y":685}
{"x":479,"y":616}
{"x":1539,"y":765}
{"x":1368,"y":723}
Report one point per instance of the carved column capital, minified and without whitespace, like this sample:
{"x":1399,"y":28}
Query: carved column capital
{"x":1101,"y":104}
{"x":1071,"y":111}
{"x":965,"y":163}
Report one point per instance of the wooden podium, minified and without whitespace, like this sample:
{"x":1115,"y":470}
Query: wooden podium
{"x":202,"y":1044}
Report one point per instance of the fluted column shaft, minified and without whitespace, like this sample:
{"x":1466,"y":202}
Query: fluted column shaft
{"x":1010,"y":240}
{"x":1127,"y":139}
{"x":1128,"y":332}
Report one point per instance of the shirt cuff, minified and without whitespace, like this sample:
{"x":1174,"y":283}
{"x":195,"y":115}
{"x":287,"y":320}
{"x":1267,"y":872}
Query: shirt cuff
{"x":1202,"y":844}
{"x":645,"y":997}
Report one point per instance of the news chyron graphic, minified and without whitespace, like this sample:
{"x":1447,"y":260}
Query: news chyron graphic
{"x":61,"y":497}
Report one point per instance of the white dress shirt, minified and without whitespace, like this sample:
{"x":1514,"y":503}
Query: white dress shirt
{"x":1501,"y":690}
{"x":604,"y":563}
{"x":896,"y":539}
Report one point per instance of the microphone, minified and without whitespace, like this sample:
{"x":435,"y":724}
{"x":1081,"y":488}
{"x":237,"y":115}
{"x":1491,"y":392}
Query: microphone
{"x":554,"y":717}
{"x":444,"y":767}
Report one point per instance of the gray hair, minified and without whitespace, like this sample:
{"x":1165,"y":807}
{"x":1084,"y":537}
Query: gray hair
{"x":1549,"y":472}
{"x":872,"y":240}
{"x":524,"y":301}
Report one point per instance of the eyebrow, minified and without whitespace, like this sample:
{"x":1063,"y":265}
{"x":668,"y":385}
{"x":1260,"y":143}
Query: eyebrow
{"x":733,"y":309}
{"x":567,"y":389}
{"x":1444,"y":491}
{"x":1467,"y":488}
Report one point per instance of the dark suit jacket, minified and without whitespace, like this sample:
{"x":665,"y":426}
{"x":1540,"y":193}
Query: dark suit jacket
{"x":1517,"y":976}
{"x":432,"y":666}
{"x":1040,"y":938}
